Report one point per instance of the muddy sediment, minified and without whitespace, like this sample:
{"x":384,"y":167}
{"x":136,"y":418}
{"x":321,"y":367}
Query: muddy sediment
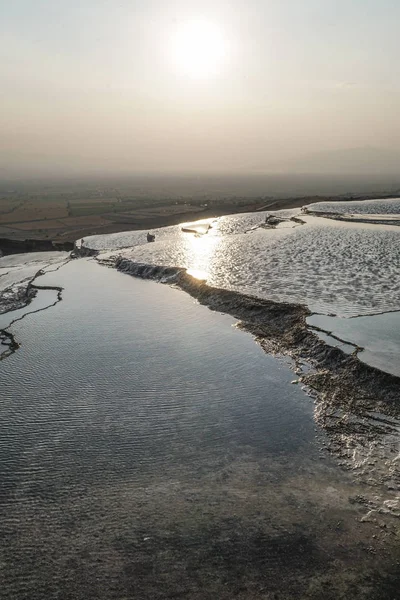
{"x":8,"y":341}
{"x":281,"y":328}
{"x":16,"y":299}
{"x":82,"y":251}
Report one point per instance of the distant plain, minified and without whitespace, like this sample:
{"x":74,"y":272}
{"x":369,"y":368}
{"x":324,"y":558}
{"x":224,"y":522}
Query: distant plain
{"x":65,"y":210}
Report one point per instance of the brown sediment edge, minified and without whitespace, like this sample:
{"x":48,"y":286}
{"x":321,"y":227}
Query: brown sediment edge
{"x":355,"y":405}
{"x":82,"y":251}
{"x":342,"y":383}
{"x":20,"y":299}
{"x":357,"y":348}
{"x":12,"y":344}
{"x":24,"y":297}
{"x":6,"y":337}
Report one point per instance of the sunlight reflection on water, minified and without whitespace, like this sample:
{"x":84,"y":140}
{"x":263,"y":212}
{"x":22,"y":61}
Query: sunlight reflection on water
{"x":334,"y":268}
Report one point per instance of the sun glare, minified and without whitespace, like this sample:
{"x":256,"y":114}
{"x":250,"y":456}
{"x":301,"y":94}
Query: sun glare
{"x":199,"y":49}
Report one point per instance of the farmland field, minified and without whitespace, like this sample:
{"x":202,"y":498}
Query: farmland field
{"x":64,"y":211}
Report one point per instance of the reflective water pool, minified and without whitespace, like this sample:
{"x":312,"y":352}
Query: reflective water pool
{"x":333,"y":268}
{"x":149,"y":449}
{"x":378,"y":336}
{"x":364,"y":207}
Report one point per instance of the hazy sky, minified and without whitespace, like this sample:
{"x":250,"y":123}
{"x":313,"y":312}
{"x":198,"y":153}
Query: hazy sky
{"x":125,"y":85}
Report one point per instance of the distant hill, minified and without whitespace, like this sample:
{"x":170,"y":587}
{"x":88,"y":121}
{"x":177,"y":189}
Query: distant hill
{"x":352,"y":161}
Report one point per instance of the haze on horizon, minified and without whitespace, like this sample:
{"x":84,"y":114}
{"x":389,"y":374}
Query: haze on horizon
{"x":179,"y":86}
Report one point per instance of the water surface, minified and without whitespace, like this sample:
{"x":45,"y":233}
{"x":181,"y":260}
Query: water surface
{"x":388,"y":206}
{"x":378,"y":336}
{"x":149,"y":449}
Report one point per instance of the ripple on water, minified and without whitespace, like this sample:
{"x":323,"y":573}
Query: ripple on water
{"x":371,"y":207}
{"x":110,"y":378}
{"x":335,"y":269}
{"x":342,"y":270}
{"x":150,"y":449}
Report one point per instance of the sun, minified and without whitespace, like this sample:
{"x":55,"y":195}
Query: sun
{"x":199,"y":49}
